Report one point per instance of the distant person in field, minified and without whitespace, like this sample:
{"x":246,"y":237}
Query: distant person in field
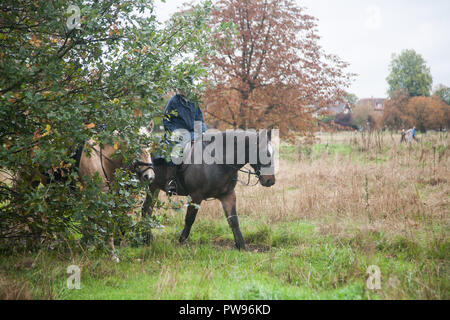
{"x":403,"y":138}
{"x":414,"y":133}
{"x":411,"y":134}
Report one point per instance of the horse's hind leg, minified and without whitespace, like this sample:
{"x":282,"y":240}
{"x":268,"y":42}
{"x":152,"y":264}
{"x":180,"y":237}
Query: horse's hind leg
{"x":189,"y":220}
{"x":229,"y":206}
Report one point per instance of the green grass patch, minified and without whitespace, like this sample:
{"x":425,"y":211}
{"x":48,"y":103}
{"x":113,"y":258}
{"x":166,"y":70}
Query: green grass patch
{"x":286,"y":260}
{"x":295,"y":152}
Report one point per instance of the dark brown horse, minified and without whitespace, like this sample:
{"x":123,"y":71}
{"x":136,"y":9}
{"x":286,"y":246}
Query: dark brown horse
{"x":206,"y":180}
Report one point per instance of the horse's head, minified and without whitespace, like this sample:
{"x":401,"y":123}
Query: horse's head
{"x":144,"y":167}
{"x":265,"y":165}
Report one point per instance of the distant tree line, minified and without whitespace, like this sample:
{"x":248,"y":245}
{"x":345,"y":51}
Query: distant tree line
{"x":410,"y":102}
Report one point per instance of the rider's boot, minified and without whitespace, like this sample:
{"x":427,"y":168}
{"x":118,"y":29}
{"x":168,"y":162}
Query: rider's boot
{"x":171,"y":178}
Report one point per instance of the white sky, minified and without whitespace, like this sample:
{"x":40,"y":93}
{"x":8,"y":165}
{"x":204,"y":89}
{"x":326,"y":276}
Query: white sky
{"x":366,"y":34}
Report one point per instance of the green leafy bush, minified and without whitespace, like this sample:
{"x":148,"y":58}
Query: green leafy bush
{"x":61,"y":86}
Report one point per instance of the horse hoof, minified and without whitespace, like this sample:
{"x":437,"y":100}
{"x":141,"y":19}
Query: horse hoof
{"x":148,"y":238}
{"x":182,"y":239}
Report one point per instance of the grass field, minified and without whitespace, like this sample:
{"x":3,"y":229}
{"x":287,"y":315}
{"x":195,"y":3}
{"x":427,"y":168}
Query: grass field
{"x":341,"y":204}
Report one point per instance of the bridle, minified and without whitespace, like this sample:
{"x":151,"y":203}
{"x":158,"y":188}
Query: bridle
{"x":147,"y":165}
{"x":249,"y":172}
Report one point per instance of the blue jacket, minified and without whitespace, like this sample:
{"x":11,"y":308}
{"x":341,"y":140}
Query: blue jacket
{"x":186,"y":114}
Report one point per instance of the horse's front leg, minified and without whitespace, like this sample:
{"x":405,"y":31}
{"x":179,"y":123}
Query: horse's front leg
{"x":150,"y":200}
{"x":191,"y":213}
{"x":147,"y":208}
{"x":229,"y":206}
{"x":114,"y":256}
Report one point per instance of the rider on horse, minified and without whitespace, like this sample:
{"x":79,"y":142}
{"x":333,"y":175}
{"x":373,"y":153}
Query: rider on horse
{"x":180,"y":113}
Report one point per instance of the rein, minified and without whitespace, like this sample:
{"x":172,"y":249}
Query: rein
{"x":249,"y":173}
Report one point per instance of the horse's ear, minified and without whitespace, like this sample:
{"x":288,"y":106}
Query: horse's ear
{"x":150,"y":126}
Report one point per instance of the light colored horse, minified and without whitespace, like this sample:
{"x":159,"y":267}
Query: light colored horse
{"x":102,"y":161}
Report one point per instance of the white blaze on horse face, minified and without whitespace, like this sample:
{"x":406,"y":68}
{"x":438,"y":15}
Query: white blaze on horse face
{"x":270,"y":149}
{"x":149,"y":174}
{"x":273,"y":146}
{"x":265,"y":154}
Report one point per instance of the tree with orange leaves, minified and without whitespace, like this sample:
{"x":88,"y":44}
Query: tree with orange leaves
{"x":424,"y":113}
{"x":395,"y":110}
{"x":269,"y":71}
{"x":427,"y":113}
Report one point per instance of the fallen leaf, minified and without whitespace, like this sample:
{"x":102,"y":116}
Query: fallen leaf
{"x":47,"y":130}
{"x":36,"y":135}
{"x":89,"y":126}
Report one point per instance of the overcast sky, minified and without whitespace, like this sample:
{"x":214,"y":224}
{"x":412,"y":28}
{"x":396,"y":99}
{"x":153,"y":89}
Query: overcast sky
{"x":365,"y":33}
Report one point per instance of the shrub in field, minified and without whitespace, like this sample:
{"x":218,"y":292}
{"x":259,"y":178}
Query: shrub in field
{"x":91,"y":70}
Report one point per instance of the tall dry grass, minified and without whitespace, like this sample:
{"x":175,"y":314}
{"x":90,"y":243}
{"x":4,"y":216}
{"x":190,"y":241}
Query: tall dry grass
{"x":378,"y":185}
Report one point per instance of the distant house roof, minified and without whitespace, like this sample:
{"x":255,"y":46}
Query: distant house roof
{"x":377,"y":104}
{"x":338,"y":107}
